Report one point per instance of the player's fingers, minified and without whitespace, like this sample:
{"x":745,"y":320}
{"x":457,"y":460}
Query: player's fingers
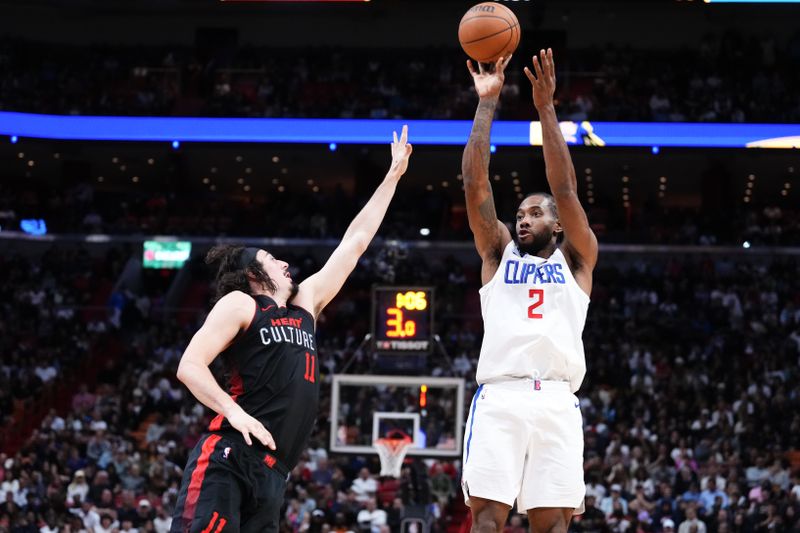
{"x":471,"y":68}
{"x":404,"y":134}
{"x":267,"y":439}
{"x":546,"y":64}
{"x":551,"y":62}
{"x":499,"y":64}
{"x":394,"y":137}
{"x":409,"y":149}
{"x":246,"y":435}
{"x":529,"y":74}
{"x":537,"y":68}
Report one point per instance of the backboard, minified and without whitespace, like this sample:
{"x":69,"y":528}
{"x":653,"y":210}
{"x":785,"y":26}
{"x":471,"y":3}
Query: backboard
{"x":429,"y":410}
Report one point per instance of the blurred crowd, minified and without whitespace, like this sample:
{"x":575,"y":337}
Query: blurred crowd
{"x":45,"y":311}
{"x":708,"y":84}
{"x":85,"y":208}
{"x":690,"y":404}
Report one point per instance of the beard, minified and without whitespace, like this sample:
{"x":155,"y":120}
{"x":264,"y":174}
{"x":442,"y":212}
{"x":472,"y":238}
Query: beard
{"x":536,"y":245}
{"x":293,"y":293}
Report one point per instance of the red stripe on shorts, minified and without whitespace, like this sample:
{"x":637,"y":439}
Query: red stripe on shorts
{"x":193,"y":494}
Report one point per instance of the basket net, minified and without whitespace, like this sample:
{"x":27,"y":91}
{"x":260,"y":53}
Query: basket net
{"x":392,"y":451}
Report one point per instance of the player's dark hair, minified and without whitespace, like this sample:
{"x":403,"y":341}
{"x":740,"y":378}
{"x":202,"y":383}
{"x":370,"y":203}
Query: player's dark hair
{"x":235,"y":263}
{"x":550,"y":199}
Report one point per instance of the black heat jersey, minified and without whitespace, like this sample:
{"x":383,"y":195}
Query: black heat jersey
{"x":274,"y":376}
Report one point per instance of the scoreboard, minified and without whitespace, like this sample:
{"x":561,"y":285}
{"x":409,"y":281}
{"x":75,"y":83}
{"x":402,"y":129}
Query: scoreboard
{"x":402,"y":319}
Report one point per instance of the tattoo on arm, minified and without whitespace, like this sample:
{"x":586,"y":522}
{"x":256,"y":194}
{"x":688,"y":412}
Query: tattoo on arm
{"x":488,"y":212}
{"x":477,"y":152}
{"x":481,"y":211}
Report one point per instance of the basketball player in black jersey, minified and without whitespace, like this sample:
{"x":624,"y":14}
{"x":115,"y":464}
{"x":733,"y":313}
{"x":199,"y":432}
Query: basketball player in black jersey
{"x":263,"y":327}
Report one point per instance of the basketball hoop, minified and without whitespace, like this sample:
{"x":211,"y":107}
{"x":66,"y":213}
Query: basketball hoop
{"x":392,"y":450}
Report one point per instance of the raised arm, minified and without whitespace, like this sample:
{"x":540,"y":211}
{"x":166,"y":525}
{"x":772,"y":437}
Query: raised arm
{"x":231,"y":314}
{"x":491,"y":235}
{"x":319,"y":289}
{"x":580,"y":243}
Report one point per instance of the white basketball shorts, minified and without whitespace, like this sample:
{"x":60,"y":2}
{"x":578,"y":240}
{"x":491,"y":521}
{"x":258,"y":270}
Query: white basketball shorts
{"x":525,"y":443}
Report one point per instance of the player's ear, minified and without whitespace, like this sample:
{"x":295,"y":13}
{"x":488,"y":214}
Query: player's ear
{"x":557,"y":229}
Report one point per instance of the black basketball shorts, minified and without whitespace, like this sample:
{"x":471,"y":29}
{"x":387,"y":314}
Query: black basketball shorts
{"x":229,"y":487}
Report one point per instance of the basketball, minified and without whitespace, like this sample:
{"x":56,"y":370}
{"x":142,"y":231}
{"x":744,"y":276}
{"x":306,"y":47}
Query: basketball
{"x":489,"y":31}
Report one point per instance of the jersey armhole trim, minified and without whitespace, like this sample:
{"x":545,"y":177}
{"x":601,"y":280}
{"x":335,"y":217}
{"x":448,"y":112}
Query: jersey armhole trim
{"x":303,"y":309}
{"x":488,"y":284}
{"x":571,"y":273}
{"x":252,"y":318}
{"x":243,"y":331}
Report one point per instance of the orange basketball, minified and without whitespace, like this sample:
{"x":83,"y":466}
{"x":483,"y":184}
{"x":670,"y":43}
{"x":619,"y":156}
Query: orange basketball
{"x":489,"y":31}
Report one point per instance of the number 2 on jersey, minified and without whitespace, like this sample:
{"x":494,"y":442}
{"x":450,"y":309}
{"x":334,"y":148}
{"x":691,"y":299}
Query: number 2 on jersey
{"x":538,"y":299}
{"x":310,"y":368}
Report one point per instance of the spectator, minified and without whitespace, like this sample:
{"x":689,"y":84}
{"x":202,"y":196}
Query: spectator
{"x":79,"y":489}
{"x":364,"y":486}
{"x":593,"y":519}
{"x":371,"y":518}
{"x":614,"y":501}
{"x":692,"y":524}
{"x":709,"y":496}
{"x":85,"y":510}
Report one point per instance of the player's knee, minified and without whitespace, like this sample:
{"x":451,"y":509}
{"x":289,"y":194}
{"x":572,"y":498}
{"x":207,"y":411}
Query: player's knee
{"x":549,"y":524}
{"x":486,"y":523}
{"x":558,"y":527}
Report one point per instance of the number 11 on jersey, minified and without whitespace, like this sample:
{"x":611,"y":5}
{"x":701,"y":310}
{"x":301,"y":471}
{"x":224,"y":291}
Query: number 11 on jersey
{"x":311,"y":371}
{"x":538,"y":299}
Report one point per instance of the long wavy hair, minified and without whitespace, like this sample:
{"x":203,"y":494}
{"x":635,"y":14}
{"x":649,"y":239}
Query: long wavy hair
{"x":231,"y":276}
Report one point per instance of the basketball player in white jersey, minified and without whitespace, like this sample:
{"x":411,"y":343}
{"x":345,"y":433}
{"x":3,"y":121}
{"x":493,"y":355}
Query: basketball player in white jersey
{"x":524,"y":439}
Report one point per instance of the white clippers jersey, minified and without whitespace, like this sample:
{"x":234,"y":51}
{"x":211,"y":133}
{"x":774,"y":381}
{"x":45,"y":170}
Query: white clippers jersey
{"x":533,"y":317}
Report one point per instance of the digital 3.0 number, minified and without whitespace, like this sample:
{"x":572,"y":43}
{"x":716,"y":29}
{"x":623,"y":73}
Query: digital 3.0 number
{"x":398,"y":326}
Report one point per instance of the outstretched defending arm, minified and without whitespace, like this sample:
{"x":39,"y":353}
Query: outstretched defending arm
{"x":580,"y":243}
{"x":319,"y":289}
{"x":491,"y":235}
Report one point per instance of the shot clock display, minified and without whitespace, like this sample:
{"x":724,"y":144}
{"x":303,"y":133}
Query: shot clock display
{"x":402,"y":319}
